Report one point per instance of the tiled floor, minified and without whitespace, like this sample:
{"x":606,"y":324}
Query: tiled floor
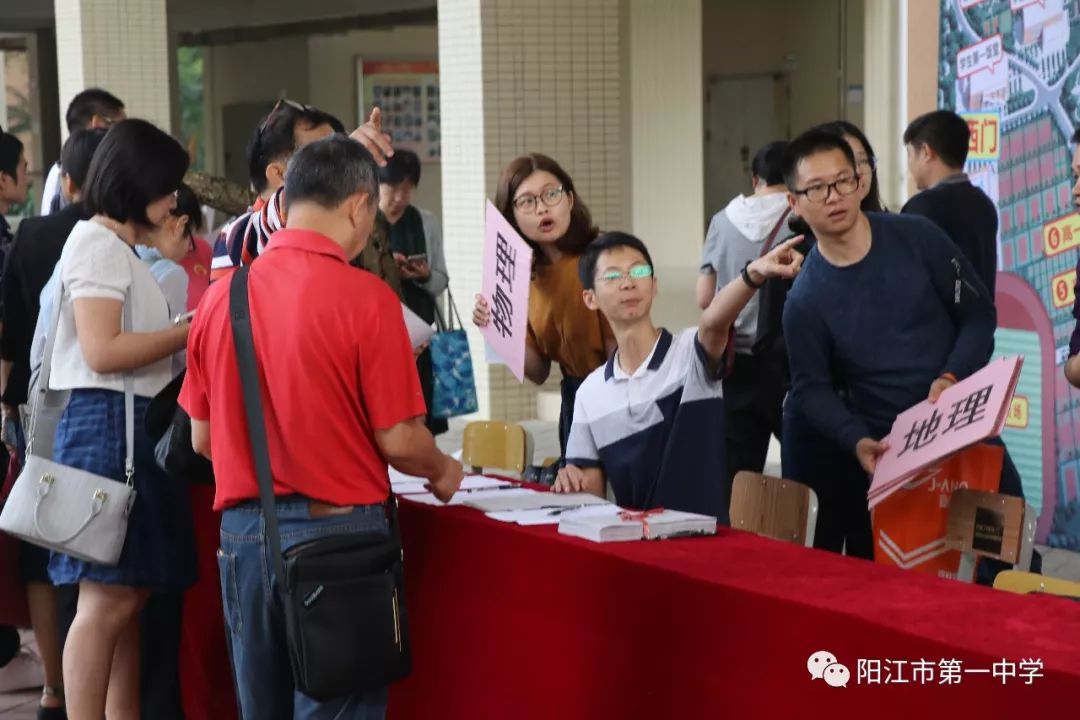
{"x":19,"y":706}
{"x":1059,"y":563}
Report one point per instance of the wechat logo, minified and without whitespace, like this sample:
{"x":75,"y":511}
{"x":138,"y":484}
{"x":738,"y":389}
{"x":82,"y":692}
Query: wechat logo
{"x":823,"y":666}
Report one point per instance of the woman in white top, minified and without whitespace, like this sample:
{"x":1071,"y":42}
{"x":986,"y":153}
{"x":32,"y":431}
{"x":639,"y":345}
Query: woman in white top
{"x":166,"y":250}
{"x":130,"y":191}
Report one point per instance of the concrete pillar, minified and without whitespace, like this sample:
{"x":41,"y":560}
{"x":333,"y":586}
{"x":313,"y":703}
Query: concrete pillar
{"x":667,"y":134}
{"x":667,"y":147}
{"x":519,"y":76}
{"x":121,"y":46}
{"x":886,"y":99}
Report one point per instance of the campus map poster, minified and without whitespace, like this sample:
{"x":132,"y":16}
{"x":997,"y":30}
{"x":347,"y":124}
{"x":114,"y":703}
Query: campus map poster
{"x":1012,"y":68}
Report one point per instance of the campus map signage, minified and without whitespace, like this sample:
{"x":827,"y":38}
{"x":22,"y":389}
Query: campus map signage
{"x":1012,"y":68}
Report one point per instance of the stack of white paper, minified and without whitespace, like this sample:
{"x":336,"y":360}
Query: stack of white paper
{"x":552,"y":516}
{"x":461,"y":498}
{"x":406,"y":485}
{"x":530,"y":500}
{"x":635,"y":526}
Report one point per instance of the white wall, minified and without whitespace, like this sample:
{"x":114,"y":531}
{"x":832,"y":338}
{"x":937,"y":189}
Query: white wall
{"x":667,"y":136}
{"x":767,"y":36}
{"x":320,"y":70}
{"x":251,"y":72}
{"x":332,"y":81}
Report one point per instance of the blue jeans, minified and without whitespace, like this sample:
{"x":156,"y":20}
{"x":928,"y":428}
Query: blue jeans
{"x":256,"y":634}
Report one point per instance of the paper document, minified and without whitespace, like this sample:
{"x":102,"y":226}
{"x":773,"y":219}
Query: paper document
{"x":419,"y":331}
{"x":530,"y":500}
{"x":461,"y":498}
{"x":551,"y":516}
{"x":407,"y":485}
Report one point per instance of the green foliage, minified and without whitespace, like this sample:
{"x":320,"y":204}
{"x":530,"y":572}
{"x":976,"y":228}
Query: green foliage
{"x":190,"y":71}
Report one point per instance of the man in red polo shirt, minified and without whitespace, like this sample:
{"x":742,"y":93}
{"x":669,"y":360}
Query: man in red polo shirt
{"x":341,"y":400}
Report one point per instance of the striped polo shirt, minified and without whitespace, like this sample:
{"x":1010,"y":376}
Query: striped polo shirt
{"x":658,"y":435}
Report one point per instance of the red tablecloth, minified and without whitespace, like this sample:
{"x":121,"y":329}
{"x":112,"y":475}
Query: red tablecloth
{"x":513,"y":622}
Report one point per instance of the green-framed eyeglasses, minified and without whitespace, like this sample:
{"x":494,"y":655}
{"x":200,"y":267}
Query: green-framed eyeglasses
{"x":638,"y":272}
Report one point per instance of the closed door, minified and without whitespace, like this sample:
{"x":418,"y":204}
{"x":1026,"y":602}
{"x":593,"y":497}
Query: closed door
{"x":744,"y":113}
{"x":238,"y":122}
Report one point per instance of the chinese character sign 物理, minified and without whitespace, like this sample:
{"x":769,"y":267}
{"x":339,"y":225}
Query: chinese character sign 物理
{"x":507,"y":271}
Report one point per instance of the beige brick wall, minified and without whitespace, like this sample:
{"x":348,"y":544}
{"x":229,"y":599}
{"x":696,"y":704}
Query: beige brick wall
{"x":120,"y":45}
{"x":519,"y":76}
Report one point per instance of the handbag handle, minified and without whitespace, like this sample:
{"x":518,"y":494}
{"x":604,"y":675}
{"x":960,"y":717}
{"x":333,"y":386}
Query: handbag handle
{"x":46,"y":374}
{"x":441,"y":323}
{"x":96,"y":504}
{"x":248,"y":367}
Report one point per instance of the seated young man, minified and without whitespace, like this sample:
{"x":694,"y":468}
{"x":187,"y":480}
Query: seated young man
{"x":651,"y":421}
{"x":886,"y":307}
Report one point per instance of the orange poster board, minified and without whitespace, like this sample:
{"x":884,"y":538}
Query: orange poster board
{"x":910,"y":525}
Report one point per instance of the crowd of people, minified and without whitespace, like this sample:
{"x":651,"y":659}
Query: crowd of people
{"x":823,"y":316}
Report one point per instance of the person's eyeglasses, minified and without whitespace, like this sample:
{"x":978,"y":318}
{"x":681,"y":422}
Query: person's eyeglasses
{"x":550,"y":197}
{"x":866,"y":165}
{"x":638,"y":272}
{"x":820,"y":193}
{"x":282,"y":102}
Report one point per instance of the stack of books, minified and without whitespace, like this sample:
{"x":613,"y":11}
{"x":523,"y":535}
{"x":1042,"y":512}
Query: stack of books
{"x":637,"y":525}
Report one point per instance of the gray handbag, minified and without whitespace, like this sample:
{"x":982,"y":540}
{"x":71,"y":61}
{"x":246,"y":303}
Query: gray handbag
{"x":62,"y":508}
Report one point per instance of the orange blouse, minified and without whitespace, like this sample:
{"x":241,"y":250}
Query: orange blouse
{"x":560,"y":326}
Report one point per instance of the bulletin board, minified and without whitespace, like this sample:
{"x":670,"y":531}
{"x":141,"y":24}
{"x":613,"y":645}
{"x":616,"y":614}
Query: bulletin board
{"x":408,"y":94}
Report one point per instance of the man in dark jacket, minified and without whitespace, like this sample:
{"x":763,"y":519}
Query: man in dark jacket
{"x":937,"y":147}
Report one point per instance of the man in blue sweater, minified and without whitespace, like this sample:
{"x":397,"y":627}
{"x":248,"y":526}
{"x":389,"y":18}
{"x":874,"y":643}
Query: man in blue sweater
{"x":887,"y":310}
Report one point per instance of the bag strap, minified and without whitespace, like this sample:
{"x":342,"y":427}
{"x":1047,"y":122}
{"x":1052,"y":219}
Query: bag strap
{"x":767,"y":246}
{"x":46,"y":374}
{"x":442,"y":324}
{"x":244,"y":342}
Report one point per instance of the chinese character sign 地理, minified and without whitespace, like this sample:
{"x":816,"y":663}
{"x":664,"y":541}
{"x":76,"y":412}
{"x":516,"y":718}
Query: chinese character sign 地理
{"x":507,"y":271}
{"x":967,"y":413}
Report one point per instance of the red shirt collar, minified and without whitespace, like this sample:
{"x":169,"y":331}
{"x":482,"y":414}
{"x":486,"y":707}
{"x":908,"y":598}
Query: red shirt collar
{"x":306,"y":241}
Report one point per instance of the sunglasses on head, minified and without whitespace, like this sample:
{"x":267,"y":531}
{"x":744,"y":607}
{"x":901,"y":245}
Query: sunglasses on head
{"x":282,"y":103}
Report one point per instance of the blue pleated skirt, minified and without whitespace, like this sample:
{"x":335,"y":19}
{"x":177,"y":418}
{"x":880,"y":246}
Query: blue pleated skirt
{"x":159,"y":552}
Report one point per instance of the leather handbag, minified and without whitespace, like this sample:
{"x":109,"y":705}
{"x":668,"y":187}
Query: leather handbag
{"x":62,"y":508}
{"x":454,"y":393}
{"x":341,"y":597}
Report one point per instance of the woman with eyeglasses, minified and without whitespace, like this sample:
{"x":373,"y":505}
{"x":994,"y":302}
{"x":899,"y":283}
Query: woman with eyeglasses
{"x":537,"y":197}
{"x":130,"y":194}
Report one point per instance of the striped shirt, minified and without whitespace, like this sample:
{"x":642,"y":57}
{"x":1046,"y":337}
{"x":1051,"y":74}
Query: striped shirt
{"x":243,"y":239}
{"x":658,"y":435}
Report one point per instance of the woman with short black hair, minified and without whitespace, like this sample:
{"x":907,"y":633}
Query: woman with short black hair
{"x":130,"y":192}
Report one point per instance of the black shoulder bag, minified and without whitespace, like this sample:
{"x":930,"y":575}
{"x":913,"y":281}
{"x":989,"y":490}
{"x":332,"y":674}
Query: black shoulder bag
{"x":342,"y":597}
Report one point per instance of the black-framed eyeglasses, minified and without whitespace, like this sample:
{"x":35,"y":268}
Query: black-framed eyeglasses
{"x":820,"y":192}
{"x":283,"y":102}
{"x":550,"y":197}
